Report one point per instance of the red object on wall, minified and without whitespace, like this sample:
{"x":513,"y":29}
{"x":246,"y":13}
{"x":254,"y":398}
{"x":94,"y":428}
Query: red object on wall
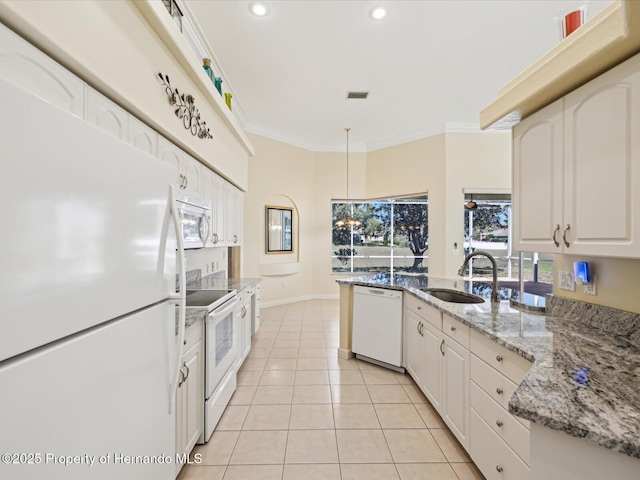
{"x":572,"y":21}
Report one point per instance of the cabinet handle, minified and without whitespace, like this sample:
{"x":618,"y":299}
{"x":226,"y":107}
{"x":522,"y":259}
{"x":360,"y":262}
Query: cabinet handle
{"x":453,"y":329}
{"x":564,"y":235}
{"x":235,"y":239}
{"x":555,"y":232}
{"x":184,"y":342}
{"x":499,"y":468}
{"x":419,"y":308}
{"x":499,"y":358}
{"x":186,"y":181}
{"x":442,"y":345}
{"x":418,"y":328}
{"x":182,"y":378}
{"x":499,"y":391}
{"x":187,"y":375}
{"x":499,"y":423}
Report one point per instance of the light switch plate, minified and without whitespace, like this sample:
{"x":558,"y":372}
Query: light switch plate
{"x":566,"y":281}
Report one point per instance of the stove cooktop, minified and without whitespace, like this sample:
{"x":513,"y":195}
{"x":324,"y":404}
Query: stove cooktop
{"x":208,"y":298}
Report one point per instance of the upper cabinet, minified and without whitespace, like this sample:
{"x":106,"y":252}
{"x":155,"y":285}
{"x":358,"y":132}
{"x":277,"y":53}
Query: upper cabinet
{"x":106,"y":115}
{"x":577,"y":169}
{"x":27,"y":67}
{"x":188,"y":169}
{"x":537,"y":180}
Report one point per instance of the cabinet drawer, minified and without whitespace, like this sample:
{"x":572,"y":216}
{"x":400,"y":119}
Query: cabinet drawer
{"x":424,"y":311}
{"x":492,"y":456}
{"x":456,"y":330}
{"x":501,"y":422}
{"x":510,"y":364}
{"x":494,"y":384}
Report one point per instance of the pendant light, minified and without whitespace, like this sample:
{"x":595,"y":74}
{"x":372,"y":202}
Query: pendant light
{"x":471,"y":205}
{"x":347,"y":221}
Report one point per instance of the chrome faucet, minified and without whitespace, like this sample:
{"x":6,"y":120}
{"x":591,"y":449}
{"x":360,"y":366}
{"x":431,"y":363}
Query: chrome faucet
{"x":494,"y":283}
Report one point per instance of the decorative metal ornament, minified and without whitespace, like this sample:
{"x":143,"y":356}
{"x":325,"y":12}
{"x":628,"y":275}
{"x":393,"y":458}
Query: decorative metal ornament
{"x":186,"y":110}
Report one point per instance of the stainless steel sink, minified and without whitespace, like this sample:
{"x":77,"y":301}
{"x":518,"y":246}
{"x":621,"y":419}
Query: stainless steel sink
{"x":453,"y":296}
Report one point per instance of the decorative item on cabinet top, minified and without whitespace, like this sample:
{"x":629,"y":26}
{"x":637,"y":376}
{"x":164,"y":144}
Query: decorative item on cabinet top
{"x":186,"y":110}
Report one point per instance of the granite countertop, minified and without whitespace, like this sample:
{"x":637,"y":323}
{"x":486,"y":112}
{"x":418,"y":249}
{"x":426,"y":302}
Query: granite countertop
{"x":570,"y":336}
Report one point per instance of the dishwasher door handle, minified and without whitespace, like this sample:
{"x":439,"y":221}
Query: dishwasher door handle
{"x":377,"y":292}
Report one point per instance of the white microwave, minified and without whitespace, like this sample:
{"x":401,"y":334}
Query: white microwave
{"x":195,"y":220}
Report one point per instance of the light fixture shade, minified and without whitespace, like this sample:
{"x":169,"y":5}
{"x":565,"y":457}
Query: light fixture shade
{"x":379,"y":12}
{"x":259,"y":9}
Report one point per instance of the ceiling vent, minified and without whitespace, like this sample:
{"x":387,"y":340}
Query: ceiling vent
{"x":360,"y":95}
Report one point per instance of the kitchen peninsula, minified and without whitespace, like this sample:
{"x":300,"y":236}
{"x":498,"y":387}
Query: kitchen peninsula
{"x":583,"y":380}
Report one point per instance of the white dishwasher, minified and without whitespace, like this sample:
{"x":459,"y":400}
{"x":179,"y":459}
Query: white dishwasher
{"x":377,"y":326}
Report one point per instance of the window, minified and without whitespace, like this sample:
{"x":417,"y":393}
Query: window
{"x":487,"y":226}
{"x":383,"y":236}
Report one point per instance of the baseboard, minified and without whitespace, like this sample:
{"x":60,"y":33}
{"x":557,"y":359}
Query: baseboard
{"x":286,"y":301}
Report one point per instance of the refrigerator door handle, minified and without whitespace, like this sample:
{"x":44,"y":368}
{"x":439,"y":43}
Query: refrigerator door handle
{"x":179,"y":298}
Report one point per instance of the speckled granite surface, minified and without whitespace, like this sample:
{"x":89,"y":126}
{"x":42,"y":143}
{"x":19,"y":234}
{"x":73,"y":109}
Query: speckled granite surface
{"x":191,"y":317}
{"x":569,"y":337}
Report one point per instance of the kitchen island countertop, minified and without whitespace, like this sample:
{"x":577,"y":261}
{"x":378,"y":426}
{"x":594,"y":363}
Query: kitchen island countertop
{"x":571,"y":336}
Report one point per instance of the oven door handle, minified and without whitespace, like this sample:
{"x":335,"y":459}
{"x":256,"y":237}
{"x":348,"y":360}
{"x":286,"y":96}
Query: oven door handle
{"x":223,"y":312}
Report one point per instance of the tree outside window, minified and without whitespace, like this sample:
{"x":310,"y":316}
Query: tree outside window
{"x":383,"y":236}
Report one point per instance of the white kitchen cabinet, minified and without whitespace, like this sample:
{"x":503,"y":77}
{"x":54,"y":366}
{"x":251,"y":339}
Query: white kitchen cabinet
{"x":106,"y":115}
{"x":245,"y":322}
{"x":28,"y":68}
{"x":233,"y":216}
{"x":143,"y":137}
{"x":455,"y":389}
{"x":602,"y":164}
{"x":414,"y":353}
{"x":576,"y":169}
{"x":255,"y":310}
{"x":192,"y":171}
{"x":537,"y":180}
{"x":190,"y":394}
{"x":188,"y":169}
{"x":433,"y":342}
{"x":214,"y":189}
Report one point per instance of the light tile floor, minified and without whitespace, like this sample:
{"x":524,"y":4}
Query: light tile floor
{"x":300,"y":413}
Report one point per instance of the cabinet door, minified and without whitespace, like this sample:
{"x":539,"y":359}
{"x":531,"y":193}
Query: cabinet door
{"x":455,"y":389}
{"x":602,"y":164}
{"x":537,"y":181}
{"x":255,"y":311}
{"x":192,"y":171}
{"x":414,"y":360}
{"x":230,"y":216}
{"x":193,"y":421}
{"x":219,"y":211}
{"x":245,"y":319}
{"x":239,"y":216}
{"x":209,"y":193}
{"x":432,"y":373}
{"x":171,"y":155}
{"x":28,"y":68}
{"x":143,"y":137}
{"x":106,"y":115}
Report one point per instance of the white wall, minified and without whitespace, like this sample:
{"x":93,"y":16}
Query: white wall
{"x":440,"y":166}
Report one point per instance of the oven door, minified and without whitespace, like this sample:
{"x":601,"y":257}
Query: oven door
{"x":195,"y":225}
{"x":222,"y":338}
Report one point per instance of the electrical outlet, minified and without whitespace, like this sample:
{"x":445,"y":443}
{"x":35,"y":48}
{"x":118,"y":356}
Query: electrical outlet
{"x":566,"y":281}
{"x":590,"y":288}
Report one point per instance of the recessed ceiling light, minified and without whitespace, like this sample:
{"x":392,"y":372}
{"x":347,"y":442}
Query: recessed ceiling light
{"x":379,"y":12}
{"x":259,"y":9}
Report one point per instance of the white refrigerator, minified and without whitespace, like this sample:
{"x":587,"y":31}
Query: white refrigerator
{"x":88,"y":347}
